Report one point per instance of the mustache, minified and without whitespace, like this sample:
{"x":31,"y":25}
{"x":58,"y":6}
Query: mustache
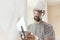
{"x":37,"y":18}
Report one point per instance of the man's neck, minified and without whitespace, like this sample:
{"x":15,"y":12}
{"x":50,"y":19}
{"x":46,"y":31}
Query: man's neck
{"x":37,"y":22}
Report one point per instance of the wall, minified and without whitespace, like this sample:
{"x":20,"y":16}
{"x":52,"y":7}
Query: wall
{"x":54,"y":18}
{"x":7,"y":19}
{"x":10,"y":10}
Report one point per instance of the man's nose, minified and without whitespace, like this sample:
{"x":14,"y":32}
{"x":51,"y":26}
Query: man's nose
{"x":36,"y":14}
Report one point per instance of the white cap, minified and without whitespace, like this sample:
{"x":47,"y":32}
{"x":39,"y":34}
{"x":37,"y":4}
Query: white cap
{"x":41,"y":5}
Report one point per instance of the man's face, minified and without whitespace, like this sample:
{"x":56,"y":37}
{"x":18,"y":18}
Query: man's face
{"x":37,"y":16}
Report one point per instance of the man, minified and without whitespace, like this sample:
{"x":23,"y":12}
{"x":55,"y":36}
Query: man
{"x":41,"y":29}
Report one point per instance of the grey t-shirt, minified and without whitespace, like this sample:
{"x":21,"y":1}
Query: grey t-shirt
{"x":42,"y":30}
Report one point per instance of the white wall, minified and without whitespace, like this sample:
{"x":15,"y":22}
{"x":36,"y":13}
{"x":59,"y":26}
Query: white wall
{"x":7,"y":13}
{"x":21,"y":8}
{"x":9,"y":10}
{"x":54,"y":19}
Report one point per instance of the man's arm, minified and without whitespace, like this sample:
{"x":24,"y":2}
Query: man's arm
{"x":50,"y":34}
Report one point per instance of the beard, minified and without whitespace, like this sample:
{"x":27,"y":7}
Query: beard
{"x":37,"y":18}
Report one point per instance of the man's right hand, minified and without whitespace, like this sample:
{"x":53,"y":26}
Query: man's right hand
{"x":30,"y":36}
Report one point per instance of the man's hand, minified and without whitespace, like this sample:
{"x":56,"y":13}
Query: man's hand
{"x":30,"y":36}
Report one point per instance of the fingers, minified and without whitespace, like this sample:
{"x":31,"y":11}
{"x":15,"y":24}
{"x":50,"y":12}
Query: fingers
{"x":29,"y":33}
{"x":30,"y":36}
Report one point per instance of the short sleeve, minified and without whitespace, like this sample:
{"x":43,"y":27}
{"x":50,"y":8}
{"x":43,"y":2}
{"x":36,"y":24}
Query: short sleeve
{"x":49,"y":33}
